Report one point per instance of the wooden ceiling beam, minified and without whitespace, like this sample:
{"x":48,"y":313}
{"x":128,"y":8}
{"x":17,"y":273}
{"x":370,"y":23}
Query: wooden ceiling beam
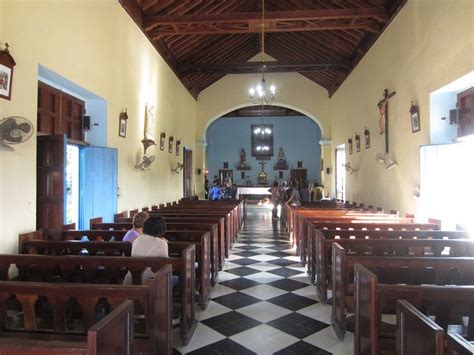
{"x":256,"y":67}
{"x":253,"y":19}
{"x":270,"y":27}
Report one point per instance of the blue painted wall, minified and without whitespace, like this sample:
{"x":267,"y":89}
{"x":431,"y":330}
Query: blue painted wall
{"x":298,"y":136}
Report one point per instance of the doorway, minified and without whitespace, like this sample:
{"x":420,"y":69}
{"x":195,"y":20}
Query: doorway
{"x":72,"y":184}
{"x":340,"y":173}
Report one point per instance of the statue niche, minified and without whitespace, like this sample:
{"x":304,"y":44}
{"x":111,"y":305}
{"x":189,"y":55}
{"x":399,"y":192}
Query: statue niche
{"x":281,"y":163}
{"x":243,"y":163}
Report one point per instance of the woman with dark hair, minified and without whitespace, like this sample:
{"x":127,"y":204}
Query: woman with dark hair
{"x":151,"y":243}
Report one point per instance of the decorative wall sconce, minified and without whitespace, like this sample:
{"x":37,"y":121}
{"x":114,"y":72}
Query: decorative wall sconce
{"x":178,"y":146}
{"x":367,"y":138}
{"x":415,"y":118}
{"x":349,"y":143}
{"x":357,"y":139}
{"x":170,"y":144}
{"x":162,"y":140}
{"x":123,"y":117}
{"x":147,"y":143}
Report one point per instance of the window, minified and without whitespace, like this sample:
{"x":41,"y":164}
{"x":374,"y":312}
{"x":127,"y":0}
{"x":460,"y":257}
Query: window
{"x":262,"y":141}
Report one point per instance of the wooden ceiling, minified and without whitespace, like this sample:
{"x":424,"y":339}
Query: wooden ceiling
{"x":203,"y":40}
{"x":266,"y":110}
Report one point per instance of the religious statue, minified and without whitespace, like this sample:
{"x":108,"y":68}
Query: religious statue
{"x":243,"y":156}
{"x":243,"y":164}
{"x":262,"y":176}
{"x":281,"y":163}
{"x":382,"y":105}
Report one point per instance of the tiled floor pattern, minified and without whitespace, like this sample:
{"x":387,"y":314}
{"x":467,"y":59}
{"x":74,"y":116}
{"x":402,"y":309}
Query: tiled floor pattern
{"x":264,"y":302}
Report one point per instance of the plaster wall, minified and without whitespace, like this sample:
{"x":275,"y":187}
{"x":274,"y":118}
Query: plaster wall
{"x":298,"y":136}
{"x":428,"y":45}
{"x":95,"y":44}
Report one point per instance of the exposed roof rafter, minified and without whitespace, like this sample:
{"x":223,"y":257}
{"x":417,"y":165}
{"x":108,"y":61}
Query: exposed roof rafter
{"x":256,"y":67}
{"x":204,"y":40}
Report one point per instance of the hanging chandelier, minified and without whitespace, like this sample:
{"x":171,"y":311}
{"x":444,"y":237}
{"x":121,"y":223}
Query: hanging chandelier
{"x":261,"y":95}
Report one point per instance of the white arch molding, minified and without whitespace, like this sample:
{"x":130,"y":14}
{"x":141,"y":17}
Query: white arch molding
{"x":202,"y":138}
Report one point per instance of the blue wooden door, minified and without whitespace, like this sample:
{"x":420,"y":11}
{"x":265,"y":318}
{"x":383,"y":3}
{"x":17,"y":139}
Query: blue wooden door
{"x":98,"y":184}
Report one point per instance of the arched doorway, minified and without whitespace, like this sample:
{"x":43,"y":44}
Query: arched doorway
{"x":292,"y":143}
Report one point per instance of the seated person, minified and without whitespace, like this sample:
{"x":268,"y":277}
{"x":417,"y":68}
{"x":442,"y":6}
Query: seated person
{"x":137,"y":223}
{"x":151,"y":243}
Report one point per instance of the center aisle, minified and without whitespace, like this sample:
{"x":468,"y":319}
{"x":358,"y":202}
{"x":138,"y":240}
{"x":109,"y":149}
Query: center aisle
{"x":264,"y":302}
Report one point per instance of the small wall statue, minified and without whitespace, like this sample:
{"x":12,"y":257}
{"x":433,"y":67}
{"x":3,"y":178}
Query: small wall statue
{"x":243,"y":165}
{"x":281,"y":163}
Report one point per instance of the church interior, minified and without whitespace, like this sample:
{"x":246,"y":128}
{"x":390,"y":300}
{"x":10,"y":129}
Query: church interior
{"x":110,"y":108}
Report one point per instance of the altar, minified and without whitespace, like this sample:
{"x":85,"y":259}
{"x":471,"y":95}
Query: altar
{"x":252,"y":193}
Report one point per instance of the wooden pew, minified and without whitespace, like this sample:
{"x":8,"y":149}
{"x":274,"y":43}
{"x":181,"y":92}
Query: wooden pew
{"x":310,"y":251}
{"x":191,"y":236}
{"x":30,"y":245}
{"x":419,"y":334}
{"x":305,"y":223}
{"x":323,"y":239}
{"x":152,"y":329}
{"x":229,"y":212}
{"x":199,"y":216}
{"x":372,"y":299}
{"x":203,"y":256}
{"x":213,"y":228}
{"x":223,"y":234}
{"x":411,"y":270}
{"x":93,"y":271}
{"x":238,"y":208}
{"x":458,"y":345}
{"x":113,"y":334}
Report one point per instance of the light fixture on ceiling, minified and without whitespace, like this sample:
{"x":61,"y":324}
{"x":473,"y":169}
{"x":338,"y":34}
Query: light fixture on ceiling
{"x":261,"y":95}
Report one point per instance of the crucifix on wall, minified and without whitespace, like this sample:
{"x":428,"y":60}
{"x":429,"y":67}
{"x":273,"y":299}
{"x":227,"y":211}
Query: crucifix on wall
{"x":383,"y":112}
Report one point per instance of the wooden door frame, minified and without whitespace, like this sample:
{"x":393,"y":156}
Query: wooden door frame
{"x":187,"y":171}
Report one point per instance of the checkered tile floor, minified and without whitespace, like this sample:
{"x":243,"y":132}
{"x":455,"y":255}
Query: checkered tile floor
{"x":264,"y":302}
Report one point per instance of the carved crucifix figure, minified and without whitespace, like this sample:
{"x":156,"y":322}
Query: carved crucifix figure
{"x":383,"y":119}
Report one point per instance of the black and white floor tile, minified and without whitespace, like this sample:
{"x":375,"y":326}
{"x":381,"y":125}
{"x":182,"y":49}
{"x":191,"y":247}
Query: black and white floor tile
{"x":264,"y":302}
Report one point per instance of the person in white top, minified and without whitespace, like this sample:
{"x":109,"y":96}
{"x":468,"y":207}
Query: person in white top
{"x":151,"y":243}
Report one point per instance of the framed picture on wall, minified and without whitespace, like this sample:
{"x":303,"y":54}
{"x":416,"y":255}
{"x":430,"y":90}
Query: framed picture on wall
{"x":6,"y":73}
{"x":123,"y":124}
{"x":415,"y":118}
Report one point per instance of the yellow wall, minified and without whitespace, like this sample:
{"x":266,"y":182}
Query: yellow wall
{"x":293,"y":91}
{"x":95,"y":44}
{"x":428,"y":45}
